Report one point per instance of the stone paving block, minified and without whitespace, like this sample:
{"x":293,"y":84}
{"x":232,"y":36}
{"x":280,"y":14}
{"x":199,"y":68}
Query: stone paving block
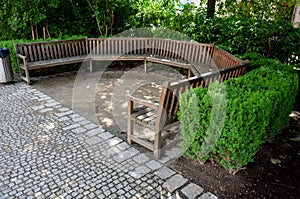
{"x":123,"y":146}
{"x":114,"y":141}
{"x":51,"y":104}
{"x":46,"y":110}
{"x":105,"y":135}
{"x":64,"y":113}
{"x":174,"y":183}
{"x":93,"y":140}
{"x":139,"y":172}
{"x":79,"y":130}
{"x":64,"y":109}
{"x":154,"y":165}
{"x":39,"y":107}
{"x":164,"y":172}
{"x":76,"y":165}
{"x":90,"y":126}
{"x":111,"y":151}
{"x":171,"y":154}
{"x":73,"y":126}
{"x":208,"y":195}
{"x":94,"y":132}
{"x":125,"y":155}
{"x":192,"y":190}
{"x":62,"y":119}
{"x":78,"y":119}
{"x":142,"y":158}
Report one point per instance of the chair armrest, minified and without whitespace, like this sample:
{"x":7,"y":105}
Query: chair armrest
{"x":144,"y":102}
{"x":21,"y":56}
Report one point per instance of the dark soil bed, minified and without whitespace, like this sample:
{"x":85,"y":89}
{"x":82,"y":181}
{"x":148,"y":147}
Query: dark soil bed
{"x":260,"y":179}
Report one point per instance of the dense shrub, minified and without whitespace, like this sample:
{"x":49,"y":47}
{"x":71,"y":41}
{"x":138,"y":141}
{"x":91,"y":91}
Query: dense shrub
{"x":272,"y":39}
{"x":256,"y":107}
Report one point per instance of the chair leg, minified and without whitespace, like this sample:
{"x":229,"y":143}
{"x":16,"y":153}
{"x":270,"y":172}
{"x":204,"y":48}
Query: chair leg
{"x":157,"y":144}
{"x":129,"y":130}
{"x":27,"y":76}
{"x":91,"y":65}
{"x":129,"y":121}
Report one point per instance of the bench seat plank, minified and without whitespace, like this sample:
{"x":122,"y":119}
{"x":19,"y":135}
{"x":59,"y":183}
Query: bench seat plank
{"x":53,"y":62}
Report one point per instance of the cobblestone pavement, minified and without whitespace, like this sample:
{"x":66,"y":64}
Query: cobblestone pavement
{"x":49,"y":151}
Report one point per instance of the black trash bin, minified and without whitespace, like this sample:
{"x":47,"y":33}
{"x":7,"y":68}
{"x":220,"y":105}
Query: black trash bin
{"x":6,"y":73}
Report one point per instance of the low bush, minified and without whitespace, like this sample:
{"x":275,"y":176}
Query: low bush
{"x":229,"y":121}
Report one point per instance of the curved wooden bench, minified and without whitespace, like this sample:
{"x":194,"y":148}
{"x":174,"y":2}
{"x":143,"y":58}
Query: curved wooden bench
{"x":197,"y":58}
{"x":206,"y":62}
{"x":159,"y":115}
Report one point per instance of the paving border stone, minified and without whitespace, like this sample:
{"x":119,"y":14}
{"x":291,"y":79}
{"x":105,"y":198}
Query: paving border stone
{"x":192,"y":190}
{"x":164,"y":172}
{"x":208,"y":195}
{"x":174,"y":183}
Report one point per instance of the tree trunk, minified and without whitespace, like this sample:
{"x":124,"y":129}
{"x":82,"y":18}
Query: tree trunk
{"x":32,"y":31}
{"x":36,"y":32}
{"x":211,"y":6}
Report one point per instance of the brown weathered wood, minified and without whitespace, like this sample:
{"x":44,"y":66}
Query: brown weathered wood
{"x":169,"y":103}
{"x":164,"y":51}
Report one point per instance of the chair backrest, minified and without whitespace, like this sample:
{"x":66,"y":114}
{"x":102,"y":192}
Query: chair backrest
{"x":41,"y":51}
{"x":170,"y":95}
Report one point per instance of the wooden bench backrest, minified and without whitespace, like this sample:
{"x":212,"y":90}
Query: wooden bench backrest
{"x":169,"y":99}
{"x":222,"y":59}
{"x":187,"y":51}
{"x":118,"y":46}
{"x":165,"y":48}
{"x":41,"y":51}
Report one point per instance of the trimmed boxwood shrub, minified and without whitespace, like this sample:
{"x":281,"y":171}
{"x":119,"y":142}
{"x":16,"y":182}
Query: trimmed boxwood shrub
{"x":229,"y":121}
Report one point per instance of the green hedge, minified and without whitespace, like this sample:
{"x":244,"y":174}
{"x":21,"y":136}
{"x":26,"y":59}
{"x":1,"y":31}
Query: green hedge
{"x":10,"y":45}
{"x":229,"y":121}
{"x":273,"y":39}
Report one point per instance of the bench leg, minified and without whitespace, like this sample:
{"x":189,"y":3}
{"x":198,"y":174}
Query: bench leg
{"x":91,"y":65}
{"x":145,"y":66}
{"x":157,"y":144}
{"x":130,"y":122}
{"x":27,"y":76}
{"x":20,"y":74}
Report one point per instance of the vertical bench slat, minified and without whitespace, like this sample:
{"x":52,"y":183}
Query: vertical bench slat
{"x":63,"y":52}
{"x":191,"y":52}
{"x":76,"y":48}
{"x":59,"y":50}
{"x":80,"y":48}
{"x":55,"y":51}
{"x":35,"y":53}
{"x":69,"y":49}
{"x":44,"y":55}
{"x":65,"y":47}
{"x":175,"y":50}
{"x":135,"y":49}
{"x":123,"y":47}
{"x":39,"y":52}
{"x":26,"y":52}
{"x":31,"y":58}
{"x":52,"y":56}
{"x":73,"y":48}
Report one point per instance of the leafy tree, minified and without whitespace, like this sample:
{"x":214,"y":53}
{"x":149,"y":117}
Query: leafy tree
{"x":211,"y":6}
{"x":259,"y":9}
{"x":149,"y":13}
{"x":106,"y":13}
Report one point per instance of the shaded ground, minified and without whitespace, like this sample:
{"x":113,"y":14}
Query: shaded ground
{"x":261,"y":179}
